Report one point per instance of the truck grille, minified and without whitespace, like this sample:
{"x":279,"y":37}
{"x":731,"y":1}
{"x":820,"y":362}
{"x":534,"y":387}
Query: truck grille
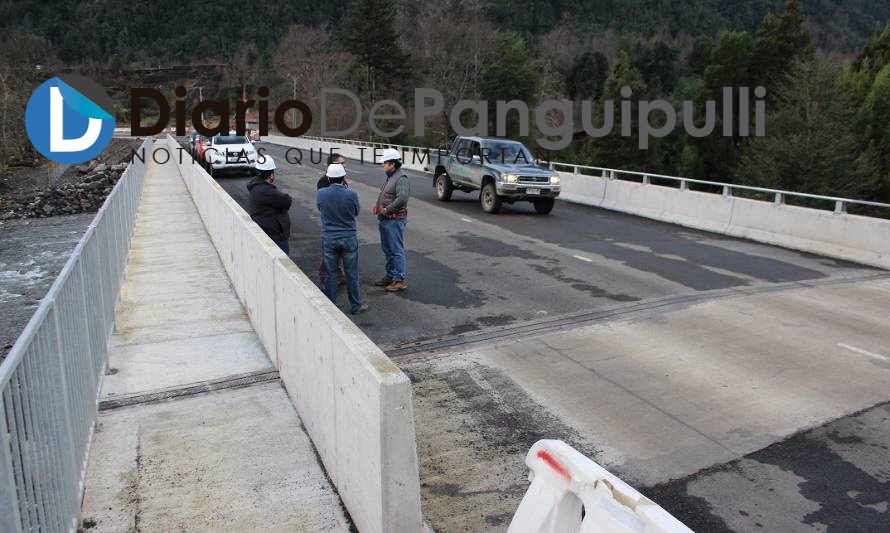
{"x":534,"y":179}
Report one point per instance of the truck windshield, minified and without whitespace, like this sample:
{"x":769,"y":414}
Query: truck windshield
{"x":513,"y":153}
{"x":230,"y":139}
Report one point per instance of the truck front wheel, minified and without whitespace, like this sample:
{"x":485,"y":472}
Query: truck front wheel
{"x":444,"y":187}
{"x":489,"y":199}
{"x":544,"y":205}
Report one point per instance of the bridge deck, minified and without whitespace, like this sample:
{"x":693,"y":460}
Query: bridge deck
{"x":164,"y":458}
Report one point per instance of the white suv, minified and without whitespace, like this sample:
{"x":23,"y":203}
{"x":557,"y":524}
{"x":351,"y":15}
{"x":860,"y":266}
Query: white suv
{"x":229,"y":152}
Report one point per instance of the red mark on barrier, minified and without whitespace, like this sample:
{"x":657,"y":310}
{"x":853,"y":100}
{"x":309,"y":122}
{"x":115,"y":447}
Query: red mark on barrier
{"x":554,"y":464}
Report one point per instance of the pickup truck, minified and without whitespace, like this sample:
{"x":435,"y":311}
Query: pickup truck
{"x":503,"y":170}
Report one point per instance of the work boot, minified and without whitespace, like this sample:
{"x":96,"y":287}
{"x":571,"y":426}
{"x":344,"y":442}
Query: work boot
{"x":397,"y":286}
{"x":383,"y":282}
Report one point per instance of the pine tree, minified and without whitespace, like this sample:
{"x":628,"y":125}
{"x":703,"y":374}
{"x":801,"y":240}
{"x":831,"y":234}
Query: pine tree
{"x":509,"y":75}
{"x":370,"y":34}
{"x":587,"y":76}
{"x":781,"y":41}
{"x":811,"y":143}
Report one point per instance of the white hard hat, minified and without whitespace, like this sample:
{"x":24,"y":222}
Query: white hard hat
{"x":266,"y":163}
{"x":335,"y":170}
{"x":391,"y":154}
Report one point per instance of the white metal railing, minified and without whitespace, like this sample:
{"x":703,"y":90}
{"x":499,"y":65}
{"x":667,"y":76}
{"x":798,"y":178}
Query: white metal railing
{"x":727,"y":188}
{"x":49,"y":383}
{"x":779,"y":196}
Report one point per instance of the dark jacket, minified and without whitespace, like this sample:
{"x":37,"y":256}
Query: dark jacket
{"x":268,"y":208}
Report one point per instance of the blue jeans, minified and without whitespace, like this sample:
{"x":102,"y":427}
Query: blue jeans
{"x":392,"y":240}
{"x":345,"y":248}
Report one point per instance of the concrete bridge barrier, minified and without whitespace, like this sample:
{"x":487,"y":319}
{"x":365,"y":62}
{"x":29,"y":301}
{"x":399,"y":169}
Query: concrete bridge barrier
{"x":355,"y":403}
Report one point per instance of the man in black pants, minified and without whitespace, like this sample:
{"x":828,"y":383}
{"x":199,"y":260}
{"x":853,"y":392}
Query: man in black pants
{"x":268,"y":206}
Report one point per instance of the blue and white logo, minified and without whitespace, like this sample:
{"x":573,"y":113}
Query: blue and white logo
{"x":70,"y":119}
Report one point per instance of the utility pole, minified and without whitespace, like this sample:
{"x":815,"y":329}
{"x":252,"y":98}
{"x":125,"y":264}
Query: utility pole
{"x":294,"y":77}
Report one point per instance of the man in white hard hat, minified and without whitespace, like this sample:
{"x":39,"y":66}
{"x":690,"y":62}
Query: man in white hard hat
{"x":392,"y":215}
{"x":268,"y":206}
{"x":325,"y":181}
{"x":339,"y":206}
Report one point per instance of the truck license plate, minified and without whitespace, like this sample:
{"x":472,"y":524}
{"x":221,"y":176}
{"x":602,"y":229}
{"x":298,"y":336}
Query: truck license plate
{"x":533,"y":191}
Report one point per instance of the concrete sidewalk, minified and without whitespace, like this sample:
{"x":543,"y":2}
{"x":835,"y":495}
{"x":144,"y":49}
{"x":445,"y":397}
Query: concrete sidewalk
{"x":234,"y":459}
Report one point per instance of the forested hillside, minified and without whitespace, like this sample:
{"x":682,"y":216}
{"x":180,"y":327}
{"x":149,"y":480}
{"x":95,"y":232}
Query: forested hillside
{"x":825,"y":65}
{"x":170,"y":29}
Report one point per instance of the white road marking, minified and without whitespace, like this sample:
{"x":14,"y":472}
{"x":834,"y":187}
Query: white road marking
{"x":864,"y":352}
{"x":466,"y":219}
{"x":581,"y":257}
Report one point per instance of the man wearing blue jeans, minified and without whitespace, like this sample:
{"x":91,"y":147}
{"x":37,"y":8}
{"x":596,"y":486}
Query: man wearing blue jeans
{"x":392,"y":213}
{"x":339,"y":207}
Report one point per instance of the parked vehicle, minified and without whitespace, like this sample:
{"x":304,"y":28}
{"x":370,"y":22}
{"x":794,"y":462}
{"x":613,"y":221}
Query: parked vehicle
{"x":229,"y":152}
{"x":504,"y":171}
{"x":201,"y":144}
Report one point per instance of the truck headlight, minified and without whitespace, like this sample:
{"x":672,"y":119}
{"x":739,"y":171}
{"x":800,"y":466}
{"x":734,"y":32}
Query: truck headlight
{"x":510,"y":178}
{"x":554,"y":180}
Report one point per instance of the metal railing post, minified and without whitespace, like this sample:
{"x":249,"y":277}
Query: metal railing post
{"x":779,"y":199}
{"x":9,"y":518}
{"x":840,"y":207}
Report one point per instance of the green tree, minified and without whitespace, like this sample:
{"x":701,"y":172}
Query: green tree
{"x":509,"y":75}
{"x":698,"y":59}
{"x":876,"y":53}
{"x":781,"y":41}
{"x":587,"y":76}
{"x":370,"y":34}
{"x":655,"y":63}
{"x":811,"y":143}
{"x":876,"y":113}
{"x":730,"y":60}
{"x":615,"y":150}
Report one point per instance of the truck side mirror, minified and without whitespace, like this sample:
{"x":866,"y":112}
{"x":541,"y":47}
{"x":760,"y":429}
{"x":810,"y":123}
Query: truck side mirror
{"x":477,"y":159}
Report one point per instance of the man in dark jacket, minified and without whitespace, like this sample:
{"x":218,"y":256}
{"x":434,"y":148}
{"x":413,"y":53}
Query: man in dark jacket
{"x":268,"y":206}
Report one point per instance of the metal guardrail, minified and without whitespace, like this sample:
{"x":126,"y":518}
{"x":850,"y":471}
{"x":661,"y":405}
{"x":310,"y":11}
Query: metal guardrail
{"x":727,"y":188}
{"x":49,"y":383}
{"x":779,"y":196}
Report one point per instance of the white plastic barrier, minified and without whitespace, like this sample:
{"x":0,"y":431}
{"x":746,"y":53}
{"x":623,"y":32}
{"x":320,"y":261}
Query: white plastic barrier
{"x":840,"y":235}
{"x":565,"y":484}
{"x":355,"y":403}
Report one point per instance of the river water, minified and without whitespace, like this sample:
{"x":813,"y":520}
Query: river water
{"x":32,"y":253}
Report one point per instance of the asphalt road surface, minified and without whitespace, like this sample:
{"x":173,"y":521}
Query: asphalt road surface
{"x":469,"y":271}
